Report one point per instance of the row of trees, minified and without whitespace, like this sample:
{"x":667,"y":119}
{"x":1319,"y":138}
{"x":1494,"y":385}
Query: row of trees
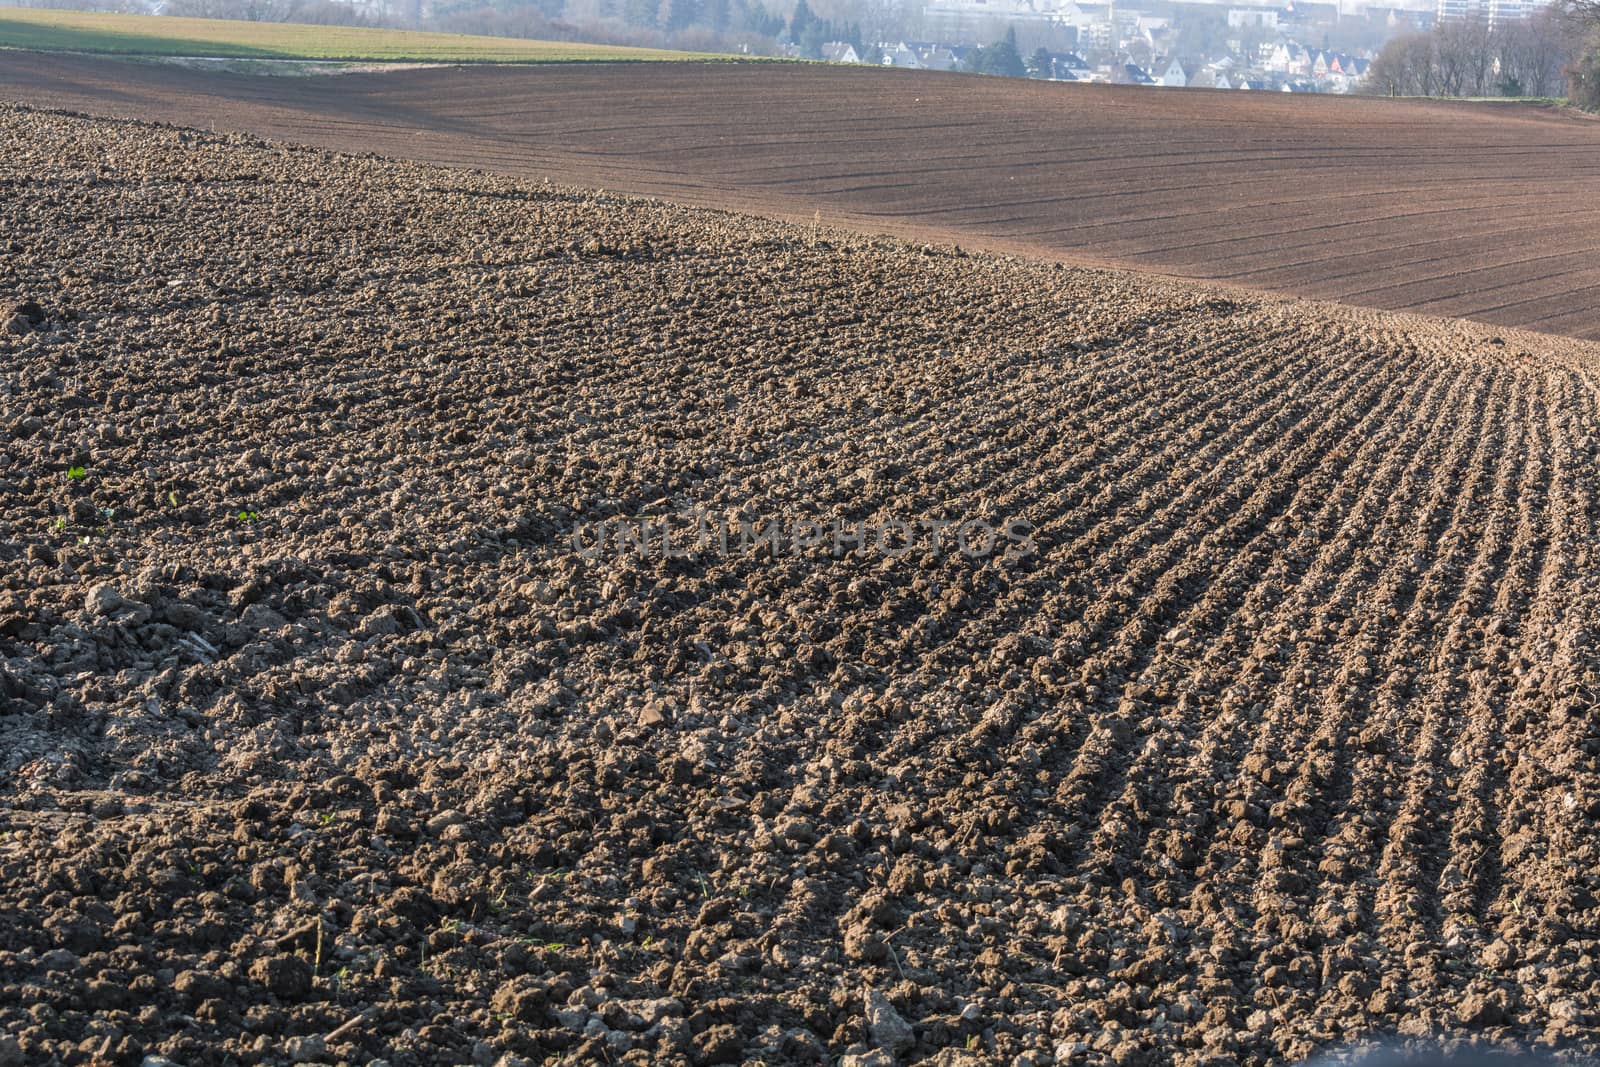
{"x":1553,"y":52}
{"x":1003,"y":57}
{"x":1583,"y":84}
{"x":809,"y":32}
{"x":1465,"y":57}
{"x":1583,"y":77}
{"x":1549,"y":54}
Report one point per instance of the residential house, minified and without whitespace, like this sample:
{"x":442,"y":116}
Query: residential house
{"x":1173,"y":77}
{"x":840,"y":52}
{"x":1067,"y":63}
{"x":1345,"y":73}
{"x":1288,"y":58}
{"x":938,"y":57}
{"x":1218,"y":74}
{"x":900,"y":54}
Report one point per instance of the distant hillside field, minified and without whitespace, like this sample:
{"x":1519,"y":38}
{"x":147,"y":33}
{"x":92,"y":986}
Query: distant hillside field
{"x":1483,"y":211}
{"x":148,"y":35}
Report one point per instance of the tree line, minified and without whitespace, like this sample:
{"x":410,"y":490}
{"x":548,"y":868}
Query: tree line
{"x":1541,"y":56}
{"x":1003,"y":58}
{"x":1583,"y":77}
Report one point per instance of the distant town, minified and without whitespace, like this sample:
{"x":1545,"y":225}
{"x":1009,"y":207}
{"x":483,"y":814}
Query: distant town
{"x":1436,"y":48}
{"x":1129,"y":47}
{"x":1295,"y":47}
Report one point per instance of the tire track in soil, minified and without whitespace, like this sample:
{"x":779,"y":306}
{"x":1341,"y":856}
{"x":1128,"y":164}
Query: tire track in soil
{"x":1172,"y":600}
{"x":1140,"y":533}
{"x":1092,"y":802}
{"x":1553,"y":894}
{"x":1254,"y":806}
{"x":1474,"y":874}
{"x":1291,"y":613}
{"x":1413,"y":860}
{"x":1352,"y":844}
{"x":1324,"y":788}
{"x":1154,"y":782}
{"x":1115,"y":470}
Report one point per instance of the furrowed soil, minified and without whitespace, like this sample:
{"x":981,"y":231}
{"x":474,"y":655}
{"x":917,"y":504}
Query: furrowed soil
{"x":323,"y":741}
{"x":1485,"y":211}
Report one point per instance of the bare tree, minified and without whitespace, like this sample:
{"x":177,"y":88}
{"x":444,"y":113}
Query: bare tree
{"x":1583,"y":80}
{"x":1585,"y":11}
{"x":1463,"y":57}
{"x":1533,"y":53}
{"x":1458,"y":41}
{"x":1391,"y":73}
{"x":1407,"y":66}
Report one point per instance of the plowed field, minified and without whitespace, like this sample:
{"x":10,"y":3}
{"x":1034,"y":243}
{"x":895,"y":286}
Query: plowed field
{"x":327,"y":734}
{"x":1477,"y":210}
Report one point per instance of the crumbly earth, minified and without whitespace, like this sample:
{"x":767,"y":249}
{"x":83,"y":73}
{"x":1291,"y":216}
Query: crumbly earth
{"x":323,"y":740}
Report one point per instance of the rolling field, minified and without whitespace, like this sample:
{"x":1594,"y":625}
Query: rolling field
{"x":145,"y":35}
{"x":1477,"y":210}
{"x":329,"y":732}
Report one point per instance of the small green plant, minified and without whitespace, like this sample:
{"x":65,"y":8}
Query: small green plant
{"x":76,"y":474}
{"x":249,"y":516}
{"x":172,"y":497}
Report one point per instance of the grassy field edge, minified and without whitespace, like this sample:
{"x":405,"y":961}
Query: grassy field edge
{"x":160,"y":36}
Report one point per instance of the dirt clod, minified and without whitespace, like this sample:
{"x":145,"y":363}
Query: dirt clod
{"x":283,"y":976}
{"x":886,"y":1029}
